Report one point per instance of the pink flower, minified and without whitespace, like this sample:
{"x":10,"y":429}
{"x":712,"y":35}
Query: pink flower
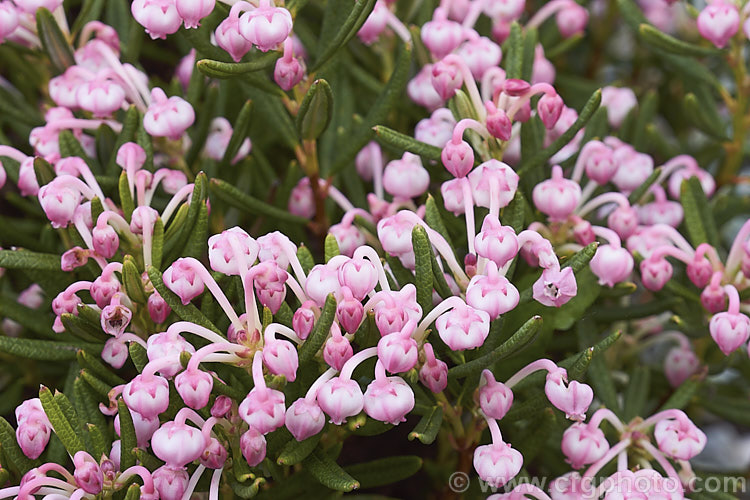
{"x":406,"y":178}
{"x":718,"y":22}
{"x":555,"y":288}
{"x":463,"y":327}
{"x":398,"y":351}
{"x":280,"y":357}
{"x":493,"y":178}
{"x":304,"y":419}
{"x":571,"y":398}
{"x":182,"y":279}
{"x":679,"y":438}
{"x":729,"y":330}
{"x":441,"y":36}
{"x":341,"y":398}
{"x":679,"y":364}
{"x":388,"y":399}
{"x":497,"y":463}
{"x":266,"y":26}
{"x":583,"y":444}
{"x":159,"y":17}
{"x":375,"y":23}
{"x":194,"y":387}
{"x":611,"y":264}
{"x":253,"y":446}
{"x":434,"y":373}
{"x":168,"y":117}
{"x":492,"y":293}
{"x":192,"y":11}
{"x":171,"y":482}
{"x":337,"y":349}
{"x":557,"y":197}
{"x":495,"y":398}
{"x":88,"y":474}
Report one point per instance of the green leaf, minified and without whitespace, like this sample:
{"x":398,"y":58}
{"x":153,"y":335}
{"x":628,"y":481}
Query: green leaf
{"x":699,"y":221}
{"x":239,"y":134}
{"x":134,"y":492}
{"x":31,"y":319}
{"x":636,"y":393}
{"x":65,"y":430}
{"x":423,"y":267}
{"x":305,"y":258}
{"x":126,"y":200}
{"x":132,"y":282}
{"x":705,"y":119}
{"x":186,"y":312}
{"x":385,"y":470}
{"x":44,"y":350}
{"x":331,"y":247}
{"x":219,"y":69}
{"x":127,"y":134}
{"x":236,"y":198}
{"x":392,"y":92}
{"x":668,"y":43}
{"x":435,"y":220}
{"x":403,"y":142}
{"x":127,"y":435}
{"x":354,"y":21}
{"x":315,"y":111}
{"x":636,"y":196}
{"x":157,"y":243}
{"x":584,"y":116}
{"x":428,"y":427}
{"x":138,"y":355}
{"x":684,"y":393}
{"x":43,"y":170}
{"x":520,"y":340}
{"x":83,"y":329}
{"x":101,"y":388}
{"x":514,"y":52}
{"x":86,"y":360}
{"x":734,"y":409}
{"x":296,"y":451}
{"x":514,"y":213}
{"x":199,"y":232}
{"x":636,"y":311}
{"x":26,"y":260}
{"x":320,"y":331}
{"x":54,"y":42}
{"x":328,"y":472}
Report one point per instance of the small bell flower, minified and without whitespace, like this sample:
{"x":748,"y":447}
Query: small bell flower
{"x":718,"y":22}
{"x":171,"y":482}
{"x":555,"y":288}
{"x":388,"y":399}
{"x":168,"y":117}
{"x":463,"y":327}
{"x":495,"y":398}
{"x":571,"y":398}
{"x":337,"y":349}
{"x":266,"y":26}
{"x":253,"y":446}
{"x":398,"y":351}
{"x":159,"y":17}
{"x":440,"y":35}
{"x":583,"y":444}
{"x":434,"y":372}
{"x":192,"y":11}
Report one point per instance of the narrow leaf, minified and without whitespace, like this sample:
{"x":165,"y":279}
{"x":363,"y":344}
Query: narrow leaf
{"x":316,"y":111}
{"x":331,"y":247}
{"x":668,"y":43}
{"x":328,"y":472}
{"x":320,"y":331}
{"x":127,"y":435}
{"x":423,"y":267}
{"x":403,"y":142}
{"x":428,"y":427}
{"x":219,"y":69}
{"x":54,"y":42}
{"x":354,"y":21}
{"x":236,"y":198}
{"x":296,"y":451}
{"x":65,"y":430}
{"x":521,"y":339}
{"x":385,"y":470}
